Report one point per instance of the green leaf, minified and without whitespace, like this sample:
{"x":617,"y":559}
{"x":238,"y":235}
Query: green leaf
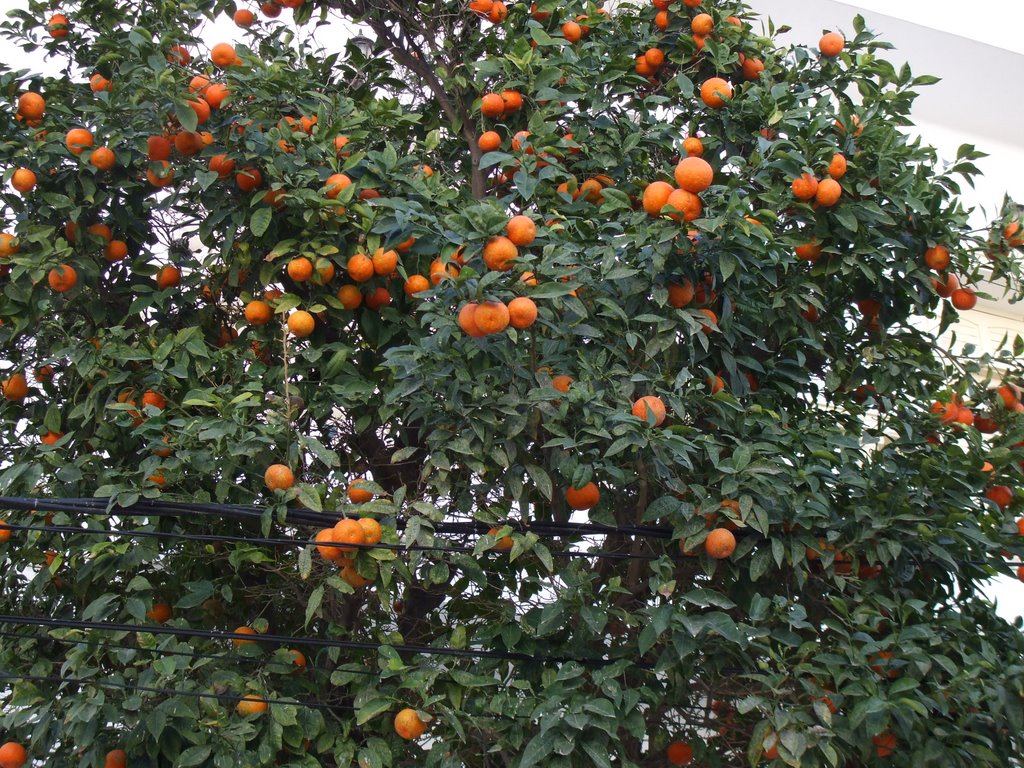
{"x":259,"y":222}
{"x":196,"y":755}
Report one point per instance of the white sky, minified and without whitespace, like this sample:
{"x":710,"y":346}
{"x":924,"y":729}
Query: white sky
{"x":993,"y":22}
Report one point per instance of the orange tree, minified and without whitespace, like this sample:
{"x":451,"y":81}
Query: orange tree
{"x":535,"y":385}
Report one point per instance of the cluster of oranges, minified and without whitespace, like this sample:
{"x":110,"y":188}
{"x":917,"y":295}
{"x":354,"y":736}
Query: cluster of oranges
{"x":495,"y":11}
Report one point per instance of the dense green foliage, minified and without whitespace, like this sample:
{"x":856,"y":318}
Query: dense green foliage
{"x":849,"y":609}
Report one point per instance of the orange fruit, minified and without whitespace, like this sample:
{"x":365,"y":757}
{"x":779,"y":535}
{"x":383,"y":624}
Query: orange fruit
{"x":357,"y":494}
{"x":467,"y":320}
{"x":562,"y":382}
{"x":58,"y":26}
{"x":339,"y":145}
{"x":686,"y":204}
{"x":655,"y":197}
{"x":335,"y":183}
{"x":384,"y":262}
{"x":416,"y":284}
{"x":31,"y":105}
{"x":837,"y":166}
{"x":1002,"y":495}
{"x":178,"y":54}
{"x":694,"y":174}
{"x":301,"y":323}
{"x":244,"y":18}
{"x":378,"y":297}
{"x":168,"y":277}
{"x":1010,"y":231}
{"x":809,"y":252}
{"x":158,"y":148}
{"x":350,"y":574}
{"x":491,"y":317}
{"x":349,"y":531}
{"x":328,"y":552}
{"x":202,"y":109}
{"x":492,"y":105}
{"x":805,"y":187}
{"x":300,"y":269}
{"x":752,"y":68}
{"x":188,"y":143}
{"x":937,"y":257}
{"x":489,"y":141}
{"x":661,"y":20}
{"x":702,"y":24}
{"x":654,"y":57}
{"x":8,"y":245}
{"x":77,"y":140}
{"x":103,"y":159}
{"x":222,"y":165}
{"x":349,"y":296}
{"x":258,"y":312}
{"x":23,"y":180}
{"x":693,"y":146}
{"x":503,"y":544}
{"x":829,"y":192}
{"x":12,"y":754}
{"x":715,"y":92}
{"x":115,"y":250}
{"x":160,"y":613}
{"x":831,"y":44}
{"x":439,"y":270}
{"x":238,"y":642}
{"x":720,"y":544}
{"x":278,"y":477}
{"x":499,"y":253}
{"x":679,"y":753}
{"x":116,"y":758}
{"x":360,"y":267}
{"x":408,"y":724}
{"x":14,"y":387}
{"x":711,"y":322}
{"x":521,"y":230}
{"x":62,"y":278}
{"x":963,"y":298}
{"x":650,"y":406}
{"x":251,"y":705}
{"x":51,"y":438}
{"x":371,"y":530}
{"x":223,"y":55}
{"x":680,"y":294}
{"x":583,"y":498}
{"x":716,"y":384}
{"x":522,"y":312}
{"x":248,"y":179}
{"x":885,"y":744}
{"x":161,"y":177}
{"x":5,"y":531}
{"x":572,"y":31}
{"x":215,"y":94}
{"x":298,"y":659}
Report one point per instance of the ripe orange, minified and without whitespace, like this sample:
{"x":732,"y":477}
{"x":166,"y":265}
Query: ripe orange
{"x":831,"y":44}
{"x":9,"y":245}
{"x":439,"y":271}
{"x":572,"y":31}
{"x":23,"y":180}
{"x":711,"y":322}
{"x":655,"y":197}
{"x":837,"y":166}
{"x":14,"y":387}
{"x":168,"y":277}
{"x":384,"y":262}
{"x":223,"y":55}
{"x":58,"y":26}
{"x":687,"y":206}
{"x":809,"y":252}
{"x":77,"y":140}
{"x":360,"y":267}
{"x":31,"y":105}
{"x":408,"y":724}
{"x":522,"y":312}
{"x":885,"y":743}
{"x":278,"y":477}
{"x":521,"y":230}
{"x":1002,"y":495}
{"x":491,"y":317}
{"x":679,"y":753}
{"x":215,"y":95}
{"x":222,"y":165}
{"x":829,"y":192}
{"x":248,"y":179}
{"x":158,"y":148}
{"x":503,"y":544}
{"x":489,"y":141}
{"x":5,"y":531}
{"x":301,"y":323}
{"x":161,"y":177}
{"x":298,"y":659}
{"x":694,"y":174}
{"x":251,"y":705}
{"x":805,"y":187}
{"x":702,"y":24}
{"x":62,"y":278}
{"x":178,"y":54}
{"x":244,"y":18}
{"x":349,"y":531}
{"x":349,"y":296}
{"x":339,"y":146}
{"x":115,"y":250}
{"x":680,"y":294}
{"x":371,"y":530}
{"x":378,"y":297}
{"x":715,"y":92}
{"x":693,"y":146}
{"x":661,"y":20}
{"x":258,"y":312}
{"x":467,"y":320}
{"x":12,"y":754}
{"x":116,"y":758}
{"x":499,"y":253}
{"x":202,"y":109}
{"x":720,"y":544}
{"x":335,"y":183}
{"x":416,"y":284}
{"x":160,"y":613}
{"x":357,"y":494}
{"x":103,"y":159}
{"x":492,"y":105}
{"x":562,"y":382}
{"x":752,"y":68}
{"x":650,"y":406}
{"x":300,"y":269}
{"x":327,"y":552}
{"x":963,"y":298}
{"x":937,"y":257}
{"x":513,"y":101}
{"x":583,"y":498}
